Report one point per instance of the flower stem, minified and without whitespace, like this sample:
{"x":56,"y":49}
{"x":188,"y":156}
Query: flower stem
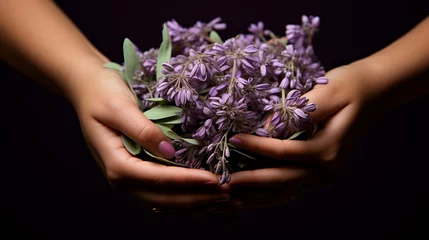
{"x":234,"y":70}
{"x":283,"y":97}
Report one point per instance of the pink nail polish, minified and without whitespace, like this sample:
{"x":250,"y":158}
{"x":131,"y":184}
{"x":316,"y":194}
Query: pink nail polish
{"x":166,"y":150}
{"x":235,"y":141}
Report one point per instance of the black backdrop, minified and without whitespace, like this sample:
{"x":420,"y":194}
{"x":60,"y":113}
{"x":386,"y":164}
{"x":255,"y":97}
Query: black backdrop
{"x":51,"y":187}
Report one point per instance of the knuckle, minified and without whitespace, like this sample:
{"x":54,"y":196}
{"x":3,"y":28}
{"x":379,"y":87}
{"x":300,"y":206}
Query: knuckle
{"x":158,"y":180}
{"x":145,"y":132}
{"x":116,"y":105}
{"x":329,"y":154}
{"x":113,"y":175}
{"x":279,"y":153}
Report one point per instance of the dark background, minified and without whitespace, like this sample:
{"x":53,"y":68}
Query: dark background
{"x":51,"y":187}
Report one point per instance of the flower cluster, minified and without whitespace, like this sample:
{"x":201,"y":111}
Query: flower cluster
{"x":252,"y":83}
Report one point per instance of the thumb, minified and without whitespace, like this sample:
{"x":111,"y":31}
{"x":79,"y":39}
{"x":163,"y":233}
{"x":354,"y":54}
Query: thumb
{"x":128,"y":119}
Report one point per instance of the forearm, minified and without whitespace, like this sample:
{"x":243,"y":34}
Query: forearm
{"x":37,"y":38}
{"x":399,"y":72}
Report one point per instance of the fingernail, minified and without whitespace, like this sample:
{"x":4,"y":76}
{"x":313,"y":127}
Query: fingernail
{"x":166,"y":149}
{"x":235,"y":141}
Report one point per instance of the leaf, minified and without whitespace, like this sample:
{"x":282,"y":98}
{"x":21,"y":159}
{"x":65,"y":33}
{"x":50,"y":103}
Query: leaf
{"x":299,"y":136}
{"x":162,"y":111}
{"x":284,"y":41}
{"x":132,"y":62}
{"x":159,"y":101}
{"x":164,"y":52}
{"x":164,"y":128}
{"x":172,"y":120}
{"x":242,"y":164}
{"x":132,"y":147}
{"x":214,"y":36}
{"x":243,"y":154}
{"x":113,"y":66}
{"x":171,"y":134}
{"x":155,"y":99}
{"x":163,"y":160}
{"x":272,"y":35}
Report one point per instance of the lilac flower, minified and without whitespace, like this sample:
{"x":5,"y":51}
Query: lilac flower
{"x":301,"y":35}
{"x":144,"y":87}
{"x":195,"y":36}
{"x":288,"y":116}
{"x":238,"y":60}
{"x":189,"y":154}
{"x":232,"y":87}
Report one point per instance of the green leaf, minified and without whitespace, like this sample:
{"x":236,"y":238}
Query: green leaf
{"x":132,"y":147}
{"x":242,"y":153}
{"x":162,"y":111}
{"x":171,"y":134}
{"x":155,"y":99}
{"x":172,"y":120}
{"x":113,"y":66}
{"x":132,"y":62}
{"x":299,"y":136}
{"x":159,"y":101}
{"x":242,"y":164}
{"x":214,"y":36}
{"x":272,"y":35}
{"x":163,"y":160}
{"x":284,"y":41}
{"x":164,"y":128}
{"x":164,"y":52}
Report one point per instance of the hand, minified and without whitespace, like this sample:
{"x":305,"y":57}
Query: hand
{"x":106,"y":107}
{"x":340,"y":103}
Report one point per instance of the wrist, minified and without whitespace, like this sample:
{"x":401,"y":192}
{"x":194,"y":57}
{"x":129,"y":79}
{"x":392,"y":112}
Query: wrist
{"x":79,"y":76}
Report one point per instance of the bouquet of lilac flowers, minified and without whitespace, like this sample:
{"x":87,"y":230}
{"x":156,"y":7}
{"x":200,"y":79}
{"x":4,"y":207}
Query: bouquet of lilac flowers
{"x":200,"y":90}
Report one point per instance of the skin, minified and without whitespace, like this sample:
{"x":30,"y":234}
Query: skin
{"x":354,"y":96}
{"x":62,"y":59}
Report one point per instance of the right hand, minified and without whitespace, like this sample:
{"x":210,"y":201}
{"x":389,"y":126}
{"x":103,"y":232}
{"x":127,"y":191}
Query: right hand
{"x":106,"y":108}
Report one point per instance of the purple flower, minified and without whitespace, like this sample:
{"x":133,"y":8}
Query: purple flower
{"x":232,"y":87}
{"x":289,"y":116}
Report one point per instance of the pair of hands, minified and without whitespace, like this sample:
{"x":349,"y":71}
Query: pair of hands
{"x":106,"y":108}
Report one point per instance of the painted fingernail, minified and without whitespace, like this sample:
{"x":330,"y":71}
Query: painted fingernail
{"x":235,"y":141}
{"x":166,"y":149}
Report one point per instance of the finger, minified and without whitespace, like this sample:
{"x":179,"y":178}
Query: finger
{"x":150,"y":173}
{"x":322,"y":147}
{"x":179,"y":199}
{"x":120,"y":165}
{"x":294,"y":150}
{"x":328,"y":99}
{"x":268,"y":177}
{"x":125,"y":117}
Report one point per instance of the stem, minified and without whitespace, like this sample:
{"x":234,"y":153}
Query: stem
{"x":283,"y":98}
{"x":207,"y":38}
{"x":261,"y":36}
{"x":148,"y":89}
{"x":234,"y":70}
{"x":309,"y":39}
